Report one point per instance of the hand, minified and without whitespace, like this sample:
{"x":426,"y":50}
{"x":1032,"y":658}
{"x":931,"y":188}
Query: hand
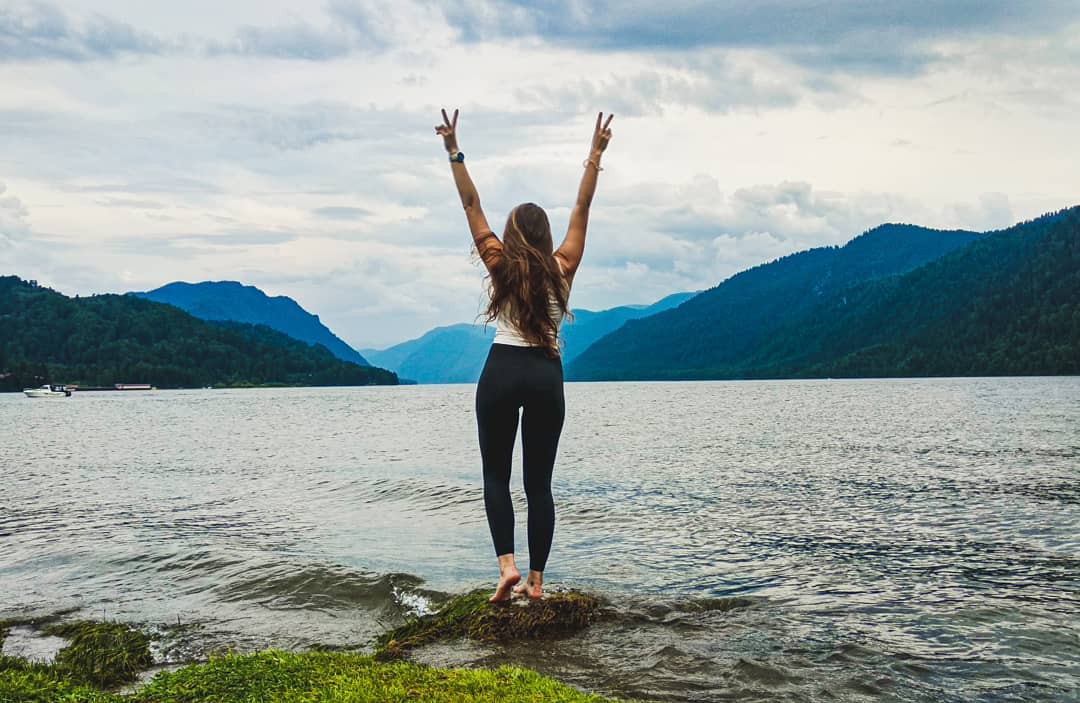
{"x":601,"y":135}
{"x":448,"y":131}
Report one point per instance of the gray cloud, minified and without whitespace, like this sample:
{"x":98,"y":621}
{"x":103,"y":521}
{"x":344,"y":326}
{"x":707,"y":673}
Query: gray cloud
{"x":39,"y":30}
{"x":846,"y":35}
{"x":298,"y":40}
{"x":842,"y":36}
{"x":35,"y":30}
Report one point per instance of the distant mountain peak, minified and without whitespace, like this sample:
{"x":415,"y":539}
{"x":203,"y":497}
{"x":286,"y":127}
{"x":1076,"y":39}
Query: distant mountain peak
{"x":237,"y":302}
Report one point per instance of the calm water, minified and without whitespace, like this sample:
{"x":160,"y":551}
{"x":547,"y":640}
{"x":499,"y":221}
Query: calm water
{"x":810,"y":540}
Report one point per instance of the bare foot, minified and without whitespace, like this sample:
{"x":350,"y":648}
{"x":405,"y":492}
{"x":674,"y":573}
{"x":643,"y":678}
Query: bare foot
{"x":533,"y":586}
{"x":507,"y":578}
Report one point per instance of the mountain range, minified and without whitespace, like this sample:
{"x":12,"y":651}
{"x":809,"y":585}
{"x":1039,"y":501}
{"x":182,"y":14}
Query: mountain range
{"x":897,"y":301}
{"x":101,"y":340}
{"x":230,"y":300}
{"x":456,"y":353}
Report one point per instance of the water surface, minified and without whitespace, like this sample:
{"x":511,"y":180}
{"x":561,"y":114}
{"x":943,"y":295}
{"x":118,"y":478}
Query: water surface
{"x":784,"y":540}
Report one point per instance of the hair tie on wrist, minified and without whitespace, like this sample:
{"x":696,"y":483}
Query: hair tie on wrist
{"x":586,"y":162}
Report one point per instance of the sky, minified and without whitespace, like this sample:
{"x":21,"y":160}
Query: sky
{"x":291,"y":145}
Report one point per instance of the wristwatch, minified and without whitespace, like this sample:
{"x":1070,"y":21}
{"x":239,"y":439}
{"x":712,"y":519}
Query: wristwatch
{"x":458,"y":156}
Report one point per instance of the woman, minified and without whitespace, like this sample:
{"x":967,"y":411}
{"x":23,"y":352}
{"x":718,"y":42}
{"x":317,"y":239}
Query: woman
{"x":530,"y":286}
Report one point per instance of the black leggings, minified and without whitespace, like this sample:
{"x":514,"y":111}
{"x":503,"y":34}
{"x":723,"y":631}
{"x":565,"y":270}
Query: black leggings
{"x":516,"y":378}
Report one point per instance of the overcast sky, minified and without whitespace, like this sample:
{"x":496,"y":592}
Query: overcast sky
{"x":291,"y":146}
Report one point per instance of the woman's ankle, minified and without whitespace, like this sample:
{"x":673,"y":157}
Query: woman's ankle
{"x":506,"y":564}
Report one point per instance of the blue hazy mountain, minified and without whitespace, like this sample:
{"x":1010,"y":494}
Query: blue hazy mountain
{"x":451,"y":354}
{"x":897,"y":301}
{"x":456,"y":353}
{"x":235,"y":302}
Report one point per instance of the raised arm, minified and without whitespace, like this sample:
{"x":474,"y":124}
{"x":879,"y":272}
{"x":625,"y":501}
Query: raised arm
{"x":486,"y":243}
{"x":573,"y":246}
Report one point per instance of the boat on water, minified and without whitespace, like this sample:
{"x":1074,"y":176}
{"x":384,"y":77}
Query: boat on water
{"x":48,"y":391}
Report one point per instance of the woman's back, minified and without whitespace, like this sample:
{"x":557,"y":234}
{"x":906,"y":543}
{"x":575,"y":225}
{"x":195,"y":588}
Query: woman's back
{"x":507,"y":331}
{"x":522,"y":378}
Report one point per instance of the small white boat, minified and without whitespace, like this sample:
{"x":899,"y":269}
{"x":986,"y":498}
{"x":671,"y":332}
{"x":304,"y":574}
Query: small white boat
{"x":48,"y":391}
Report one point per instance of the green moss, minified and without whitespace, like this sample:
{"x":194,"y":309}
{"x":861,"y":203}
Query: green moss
{"x":283,"y":677}
{"x":29,"y":682}
{"x":556,"y":615}
{"x":103,"y":654}
{"x":273,"y":676}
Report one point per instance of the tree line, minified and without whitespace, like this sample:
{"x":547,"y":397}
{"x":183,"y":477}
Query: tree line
{"x":46,"y":337}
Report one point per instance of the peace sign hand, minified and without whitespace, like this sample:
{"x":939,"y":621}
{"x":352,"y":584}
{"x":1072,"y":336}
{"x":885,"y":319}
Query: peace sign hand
{"x":448,"y":131}
{"x":601,"y":135}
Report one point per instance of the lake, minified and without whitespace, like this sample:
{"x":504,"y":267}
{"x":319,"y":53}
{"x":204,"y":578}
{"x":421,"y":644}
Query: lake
{"x":913,"y":540}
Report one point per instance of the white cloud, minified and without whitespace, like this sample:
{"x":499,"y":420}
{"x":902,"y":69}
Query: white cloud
{"x":13,"y":214}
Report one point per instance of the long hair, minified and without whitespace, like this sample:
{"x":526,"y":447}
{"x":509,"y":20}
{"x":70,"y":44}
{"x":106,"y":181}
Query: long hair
{"x":526,"y":279}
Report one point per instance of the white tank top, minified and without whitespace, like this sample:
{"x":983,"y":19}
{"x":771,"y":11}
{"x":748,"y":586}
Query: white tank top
{"x":506,"y":332}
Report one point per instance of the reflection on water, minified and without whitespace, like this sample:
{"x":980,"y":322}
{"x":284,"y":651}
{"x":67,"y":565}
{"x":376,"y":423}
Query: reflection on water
{"x":908,"y":539}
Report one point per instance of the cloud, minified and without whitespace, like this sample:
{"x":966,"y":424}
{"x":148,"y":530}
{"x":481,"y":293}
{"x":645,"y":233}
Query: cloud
{"x":336,"y":212}
{"x":291,"y":146}
{"x":12,"y":212}
{"x":131,"y":203}
{"x":32,"y":31}
{"x":859,"y":36}
{"x":722,"y":89}
{"x":15,"y":243}
{"x":641,"y":243}
{"x":791,"y":211}
{"x":385,"y":24}
{"x":992,"y":211}
{"x":297,"y":40}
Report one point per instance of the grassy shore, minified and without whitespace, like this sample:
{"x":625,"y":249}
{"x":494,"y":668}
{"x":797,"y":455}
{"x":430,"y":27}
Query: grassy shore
{"x":102,"y":656}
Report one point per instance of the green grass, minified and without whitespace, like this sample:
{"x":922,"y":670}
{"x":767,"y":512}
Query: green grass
{"x":103,"y":655}
{"x":26,"y":682}
{"x":274,"y":676}
{"x":556,"y":615}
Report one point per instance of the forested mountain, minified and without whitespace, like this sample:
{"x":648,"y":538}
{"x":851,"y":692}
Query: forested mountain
{"x":229,"y":300}
{"x":107,"y":339}
{"x":456,"y":354}
{"x":720,"y":326}
{"x":1006,"y":303}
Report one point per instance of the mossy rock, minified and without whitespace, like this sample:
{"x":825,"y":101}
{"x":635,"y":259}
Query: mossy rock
{"x":103,"y":654}
{"x":471,"y":615}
